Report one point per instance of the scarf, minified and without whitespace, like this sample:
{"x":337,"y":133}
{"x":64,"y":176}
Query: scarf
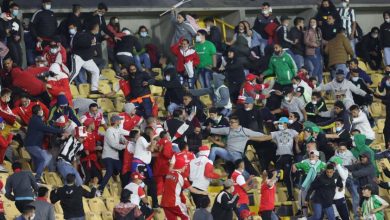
{"x":368,"y":206}
{"x":311,"y":175}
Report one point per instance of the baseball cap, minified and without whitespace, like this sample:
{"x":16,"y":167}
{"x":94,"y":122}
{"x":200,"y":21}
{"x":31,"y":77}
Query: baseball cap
{"x":340,"y":72}
{"x":251,"y":77}
{"x":249,"y":100}
{"x":61,"y":121}
{"x":315,"y":152}
{"x":283,"y":120}
{"x":316,"y":129}
{"x":137,"y":175}
{"x":115,"y":118}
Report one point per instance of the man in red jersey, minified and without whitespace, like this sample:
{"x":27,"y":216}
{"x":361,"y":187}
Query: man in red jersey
{"x":130,"y":118}
{"x":268,"y":190}
{"x":251,"y":89}
{"x":24,"y":110}
{"x":161,"y":165}
{"x":185,"y":155}
{"x":175,"y":183}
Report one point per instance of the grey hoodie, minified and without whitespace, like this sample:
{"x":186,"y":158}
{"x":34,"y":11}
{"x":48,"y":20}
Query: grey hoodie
{"x":182,"y":30}
{"x":345,"y":85}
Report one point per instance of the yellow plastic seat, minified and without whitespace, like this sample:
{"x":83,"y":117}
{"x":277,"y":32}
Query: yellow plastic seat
{"x":10,"y":210}
{"x":377,"y":109}
{"x":84,"y":89}
{"x":24,"y":154}
{"x":92,"y":216}
{"x":111,"y":203}
{"x":206,"y":100}
{"x":59,"y":216}
{"x":97,"y":205}
{"x":75,"y":92}
{"x":86,"y":206}
{"x":104,"y":88}
{"x":53,"y":179}
{"x":362,"y":66}
{"x":107,"y":216}
{"x":159,"y":71}
{"x":106,"y":104}
{"x":58,"y":208}
{"x":381,"y":125}
{"x":3,"y":177}
{"x":108,"y":74}
{"x":156,"y":90}
{"x":376,"y":79}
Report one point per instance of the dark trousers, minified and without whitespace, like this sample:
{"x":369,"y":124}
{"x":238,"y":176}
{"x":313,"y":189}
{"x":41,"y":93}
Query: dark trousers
{"x":15,"y":51}
{"x":386,"y":130}
{"x":124,"y":60}
{"x":263,"y":151}
{"x":342,"y":208}
{"x":201,"y":201}
{"x":234,"y":89}
{"x":113,"y":167}
{"x":147,"y":107}
{"x":149,"y":182}
{"x":20,"y":204}
{"x":284,"y":163}
{"x":90,"y":171}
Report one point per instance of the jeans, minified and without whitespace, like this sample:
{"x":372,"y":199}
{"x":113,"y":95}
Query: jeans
{"x":40,"y":158}
{"x":30,"y":56}
{"x":263,"y":45}
{"x":353,"y":43}
{"x":111,"y":58}
{"x":65,"y":168}
{"x":172,"y":107}
{"x":316,"y":61}
{"x":241,"y":208}
{"x":224,"y":154}
{"x":336,"y":67}
{"x":386,"y":55}
{"x":147,"y":106}
{"x":317,"y":212}
{"x":226,"y":112}
{"x":342,"y":208}
{"x":143,"y":58}
{"x":299,"y":60}
{"x":205,"y":77}
{"x":352,"y":186}
{"x":113,"y":167}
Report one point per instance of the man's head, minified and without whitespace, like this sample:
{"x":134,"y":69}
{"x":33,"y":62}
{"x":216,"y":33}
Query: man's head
{"x":228,"y":185}
{"x":338,"y":107}
{"x":208,"y":21}
{"x":115,"y":120}
{"x":249,"y":103}
{"x":25,"y":100}
{"x":213,"y":113}
{"x":95,"y":28}
{"x":295,"y":81}
{"x":70,"y":179}
{"x":311,"y":146}
{"x":187,"y":98}
{"x":285,"y":20}
{"x":266,"y":9}
{"x":181,"y":17}
{"x":185,"y":44}
{"x":132,"y":69}
{"x":89,"y":123}
{"x":14,"y":9}
{"x":314,"y":155}
{"x":93,"y":109}
{"x":16,"y":166}
{"x":288,"y":94}
{"x":365,"y":158}
{"x":5,"y":95}
{"x":201,"y":36}
{"x":46,"y":4}
{"x":239,"y":165}
{"x":330,"y":20}
{"x":43,"y":192}
{"x":366,"y":191}
{"x":282,"y":123}
{"x":353,"y":64}
{"x":278,"y":49}
{"x":76,"y":9}
{"x":299,"y":22}
{"x":315,"y":97}
{"x":137,"y":177}
{"x":340,"y":76}
{"x":355,"y":110}
{"x":342,"y":149}
{"x":101,"y":9}
{"x":8,"y":63}
{"x":386,"y":16}
{"x":374,"y":32}
{"x":37,"y":110}
{"x":130,"y":109}
{"x":293,"y":117}
{"x":180,"y":165}
{"x":325,"y":4}
{"x":230,"y":53}
{"x":178,"y":113}
{"x":329,"y":170}
{"x":28,"y":212}
{"x":81,"y":133}
{"x":134,"y":135}
{"x":234,"y":122}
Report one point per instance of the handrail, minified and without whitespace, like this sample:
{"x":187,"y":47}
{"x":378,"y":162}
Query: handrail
{"x":224,"y":25}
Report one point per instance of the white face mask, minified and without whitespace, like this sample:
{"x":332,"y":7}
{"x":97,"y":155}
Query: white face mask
{"x":342,"y":154}
{"x":287,"y":98}
{"x":314,"y":102}
{"x":355,"y":78}
{"x":290,"y":121}
{"x":53,"y":50}
{"x":241,"y":31}
{"x":247,"y":109}
{"x":265,"y":12}
{"x":295,"y":86}
{"x":143,"y":34}
{"x":168,"y":78}
{"x":312,"y":162}
{"x":338,"y":129}
{"x":281,"y":127}
{"x":198,"y":39}
{"x":72,"y":31}
{"x":387,"y":20}
{"x":208,"y":28}
{"x":387,"y":83}
{"x":40,"y":113}
{"x":314,"y":26}
{"x":344,"y":4}
{"x":47,"y":6}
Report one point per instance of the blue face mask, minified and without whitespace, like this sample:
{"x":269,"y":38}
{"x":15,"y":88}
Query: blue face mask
{"x":15,"y":13}
{"x":143,"y":34}
{"x":387,"y":83}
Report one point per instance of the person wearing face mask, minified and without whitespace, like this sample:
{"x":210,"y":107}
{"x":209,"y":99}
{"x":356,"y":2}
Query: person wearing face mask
{"x":114,"y":28}
{"x":284,"y":139}
{"x":75,"y":17}
{"x":182,"y":27}
{"x":373,"y":206}
{"x":348,"y":21}
{"x":361,"y":84}
{"x":282,"y":66}
{"x":62,"y":108}
{"x":207,"y":58}
{"x":13,"y":38}
{"x":142,"y":58}
{"x":225,"y":202}
{"x":96,"y":116}
{"x":315,"y":107}
{"x":339,"y":83}
{"x":291,"y":103}
{"x":263,"y":22}
{"x":310,"y":167}
{"x":297,"y":36}
{"x":55,"y":52}
{"x":307,"y":90}
{"x":327,"y":9}
{"x":293,"y":121}
{"x":173,"y":96}
{"x":24,"y":110}
{"x":187,"y":60}
{"x":384,"y":85}
{"x":341,"y":135}
{"x":369,"y":49}
{"x":124,"y":49}
{"x":44,"y":24}
{"x":385,"y":37}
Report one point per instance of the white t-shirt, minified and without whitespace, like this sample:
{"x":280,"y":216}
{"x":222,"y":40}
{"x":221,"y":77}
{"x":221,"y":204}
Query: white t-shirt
{"x":141,"y":151}
{"x":137,"y":193}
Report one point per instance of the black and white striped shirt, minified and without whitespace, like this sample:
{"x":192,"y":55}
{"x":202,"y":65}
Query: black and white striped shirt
{"x":70,"y":149}
{"x":347,"y":18}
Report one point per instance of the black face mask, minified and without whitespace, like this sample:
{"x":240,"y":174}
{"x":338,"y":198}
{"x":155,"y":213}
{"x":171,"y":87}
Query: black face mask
{"x":126,"y":77}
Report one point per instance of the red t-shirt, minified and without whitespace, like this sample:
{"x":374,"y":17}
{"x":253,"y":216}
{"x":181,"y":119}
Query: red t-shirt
{"x":267,"y":200}
{"x":187,"y":156}
{"x":239,"y":184}
{"x":174,"y":185}
{"x":128,"y":122}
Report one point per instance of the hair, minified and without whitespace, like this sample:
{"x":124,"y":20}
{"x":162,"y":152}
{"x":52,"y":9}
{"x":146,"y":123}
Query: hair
{"x":148,"y":130}
{"x":354,"y":107}
{"x":238,"y":162}
{"x":186,"y":40}
{"x":355,"y":130}
{"x":235,"y":117}
{"x":313,"y":78}
{"x":5,"y":91}
{"x":125,"y":196}
{"x":183,"y":14}
{"x":133,"y":133}
{"x":150,"y":120}
{"x":296,"y":115}
{"x":94,"y":26}
{"x":177,"y":112}
{"x":339,"y":120}
{"x":297,"y":20}
{"x":316,"y":94}
{"x":213,"y":110}
{"x":266,"y":4}
{"x":42,"y":191}
{"x":202,"y":32}
{"x":35,"y":109}
{"x":14,"y":5}
{"x":75,"y":7}
{"x":187,"y":94}
{"x":102,"y":6}
{"x":208,"y":19}
{"x":142,"y":27}
{"x":162,"y":134}
{"x":70,"y":178}
{"x":330,"y":166}
{"x":16,"y":165}
{"x":93,"y":105}
{"x":297,"y":78}
{"x":25,"y":95}
{"x":374,"y":29}
{"x":183,"y":145}
{"x":28,"y":208}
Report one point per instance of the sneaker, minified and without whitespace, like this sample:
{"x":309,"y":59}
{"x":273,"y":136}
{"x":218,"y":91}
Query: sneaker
{"x":2,"y":169}
{"x":40,"y":182}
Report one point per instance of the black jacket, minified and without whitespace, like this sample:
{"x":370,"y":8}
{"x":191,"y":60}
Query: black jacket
{"x":91,"y":19}
{"x":174,"y":90}
{"x":252,"y":119}
{"x":84,"y":45}
{"x":234,"y":71}
{"x":261,"y":22}
{"x":223,"y":206}
{"x":196,"y":105}
{"x":296,"y":34}
{"x":361,"y":100}
{"x":329,"y":31}
{"x":44,"y":24}
{"x":136,"y":80}
{"x":215,"y":37}
{"x":127,"y":44}
{"x":367,"y":45}
{"x":283,"y":36}
{"x":71,"y":19}
{"x":385,"y":35}
{"x":364,"y":173}
{"x":71,"y":199}
{"x":311,"y":111}
{"x":324,"y":189}
{"x":172,"y":126}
